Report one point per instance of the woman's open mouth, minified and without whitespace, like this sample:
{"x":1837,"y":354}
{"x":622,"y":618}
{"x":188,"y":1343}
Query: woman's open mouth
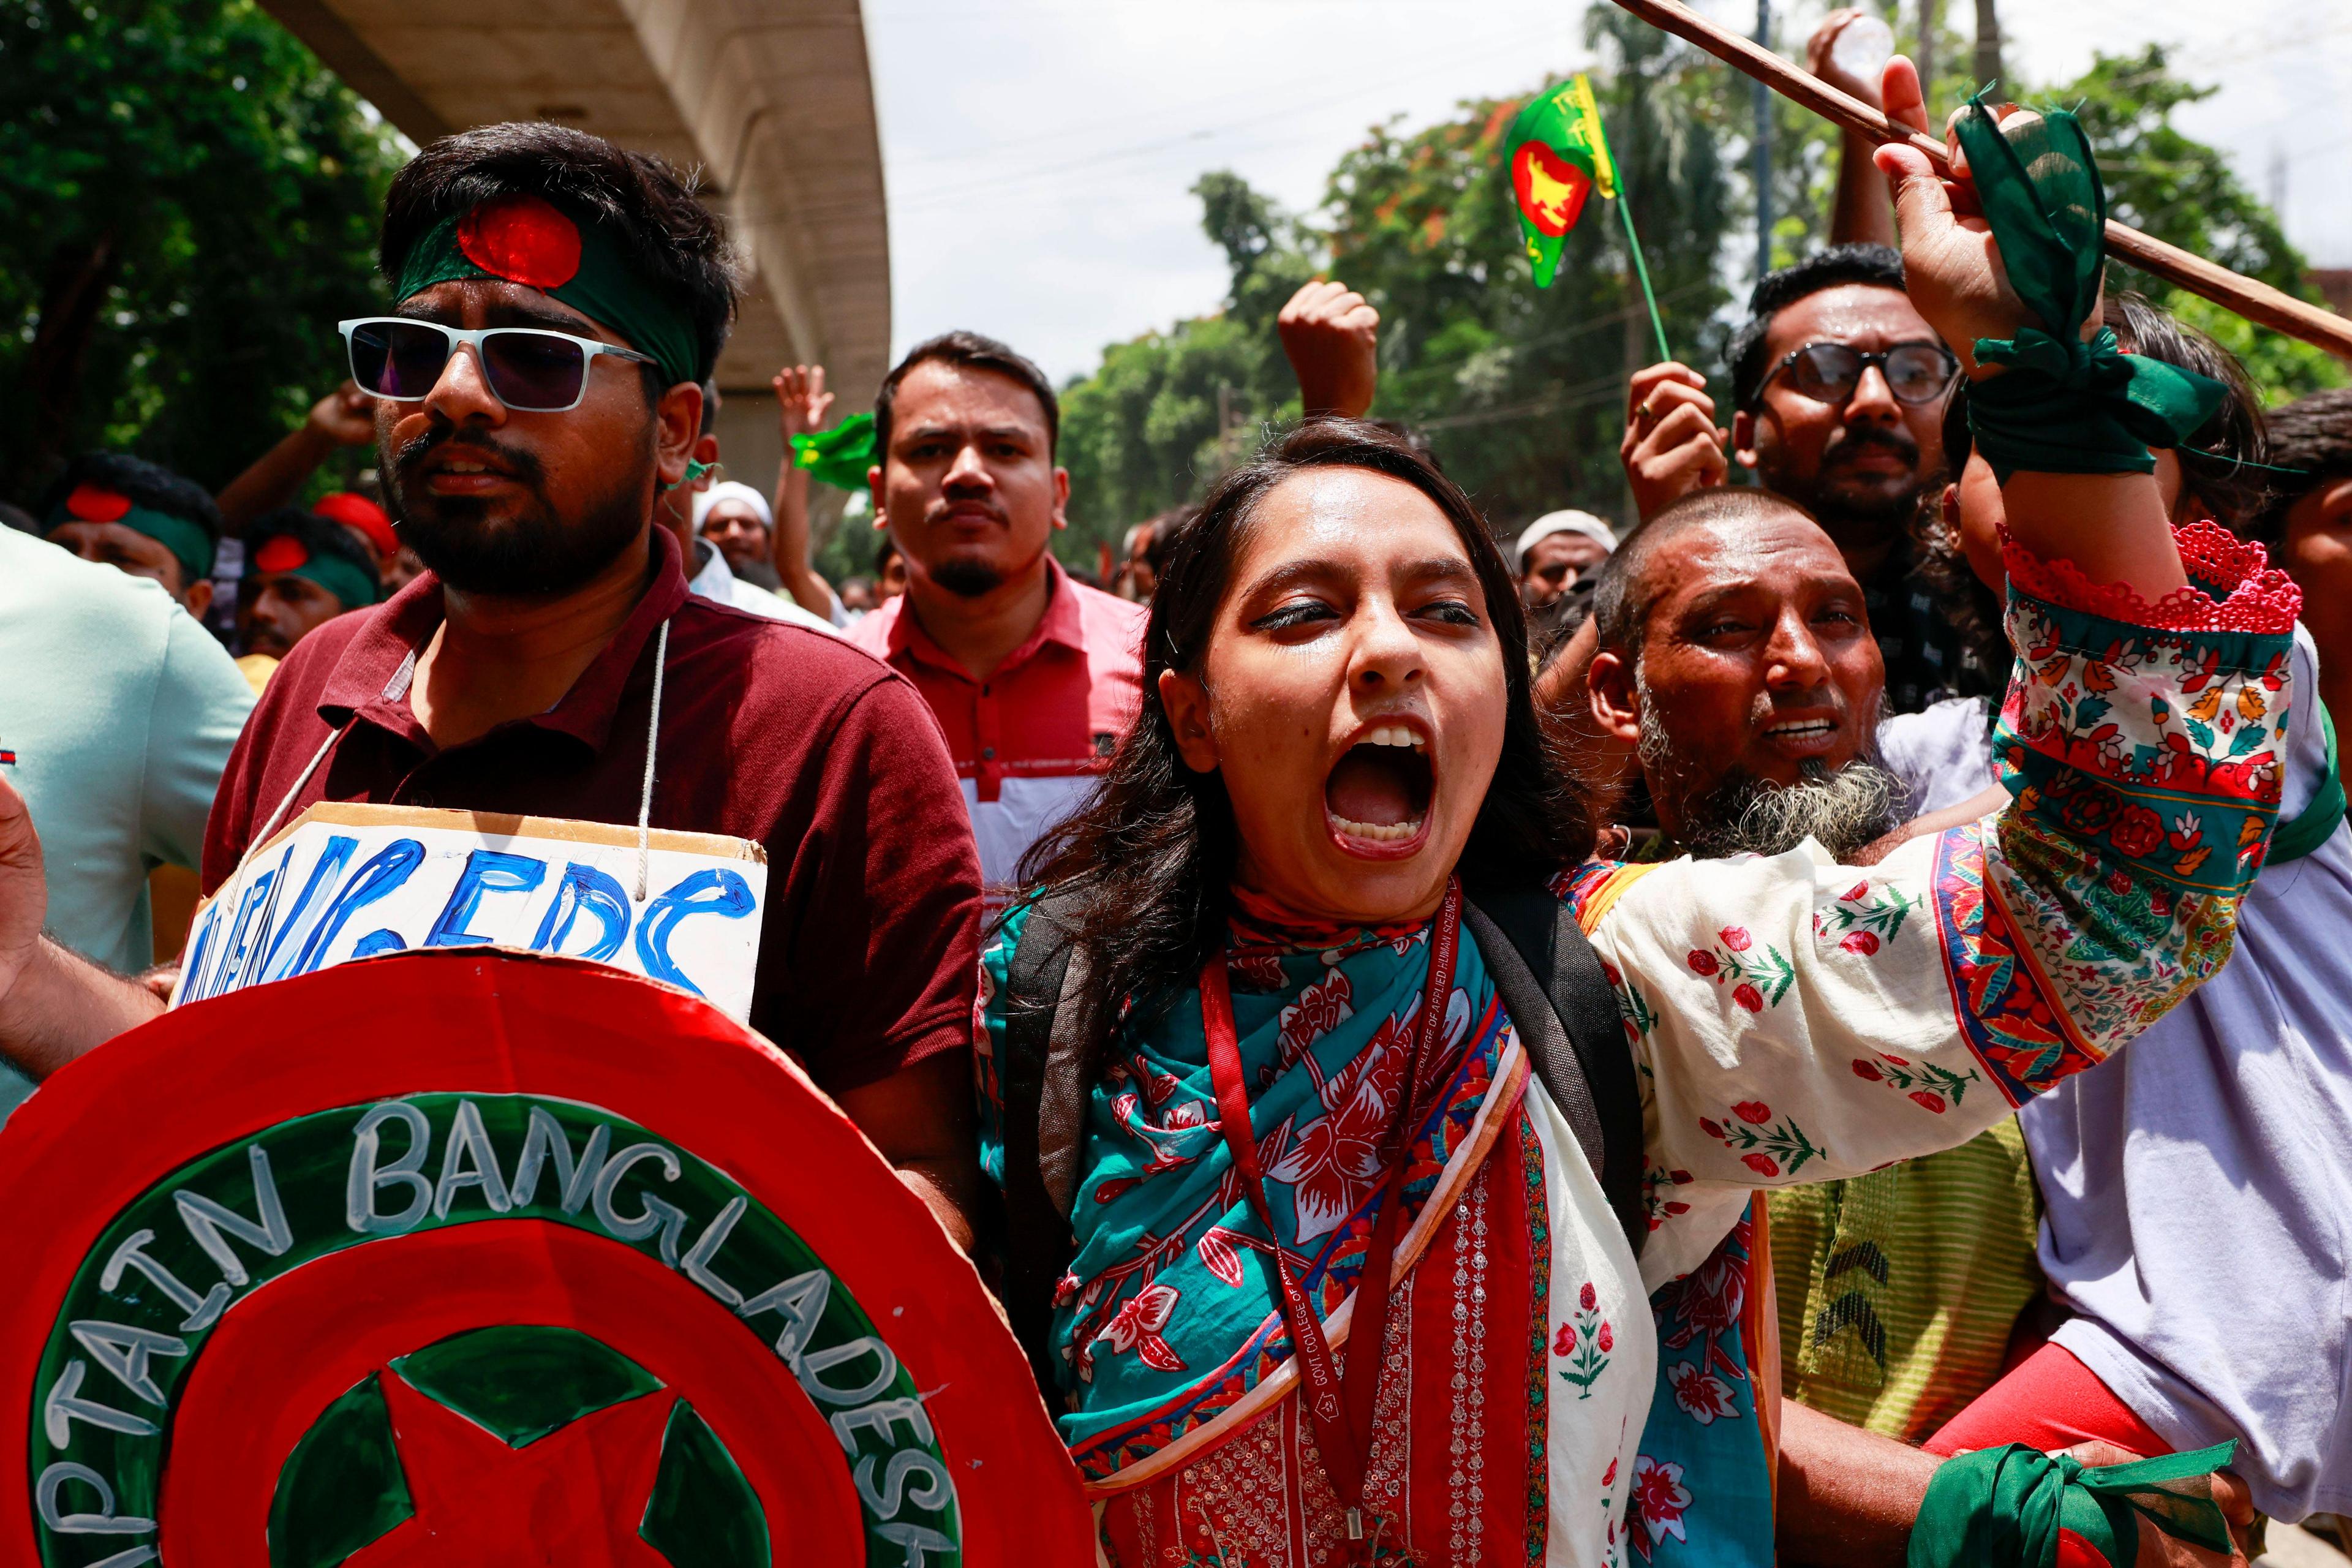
{"x":1376,"y":801}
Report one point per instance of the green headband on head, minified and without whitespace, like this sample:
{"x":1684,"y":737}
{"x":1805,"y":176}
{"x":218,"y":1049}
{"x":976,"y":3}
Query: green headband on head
{"x":355,"y":587}
{"x":529,"y":240}
{"x":189,"y":544}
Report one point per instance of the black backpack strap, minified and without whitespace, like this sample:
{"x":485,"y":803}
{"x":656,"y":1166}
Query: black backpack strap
{"x":1043,"y":1078}
{"x":1565,"y":1012}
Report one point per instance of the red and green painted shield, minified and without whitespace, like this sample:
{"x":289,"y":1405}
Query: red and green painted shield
{"x":1559,"y":156}
{"x":464,"y":1258}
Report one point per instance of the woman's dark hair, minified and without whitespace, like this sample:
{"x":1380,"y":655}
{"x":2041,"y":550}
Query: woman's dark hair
{"x":1973,"y":610}
{"x":2212,"y":465}
{"x":2213,"y":460}
{"x":1148,"y":861}
{"x":2313,"y":434}
{"x":675,"y":241}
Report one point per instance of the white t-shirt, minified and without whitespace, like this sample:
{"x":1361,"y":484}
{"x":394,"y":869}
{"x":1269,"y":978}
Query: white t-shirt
{"x":712,"y":580}
{"x":116,"y":713}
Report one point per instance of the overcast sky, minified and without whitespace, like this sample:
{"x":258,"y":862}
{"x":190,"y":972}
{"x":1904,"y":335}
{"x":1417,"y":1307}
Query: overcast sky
{"x":1039,"y":153}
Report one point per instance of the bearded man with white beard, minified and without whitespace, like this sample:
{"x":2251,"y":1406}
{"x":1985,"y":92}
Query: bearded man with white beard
{"x":1734,"y":656}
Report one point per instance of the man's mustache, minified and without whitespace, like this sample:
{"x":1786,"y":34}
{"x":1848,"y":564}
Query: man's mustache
{"x":954,"y":502}
{"x":409,"y":454}
{"x":1850,"y":442}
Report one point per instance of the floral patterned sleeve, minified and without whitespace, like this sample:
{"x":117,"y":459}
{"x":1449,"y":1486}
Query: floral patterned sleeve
{"x":1796,"y":1021}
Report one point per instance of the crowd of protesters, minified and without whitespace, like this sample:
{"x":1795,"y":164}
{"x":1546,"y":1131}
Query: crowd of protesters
{"x":1829,"y":749}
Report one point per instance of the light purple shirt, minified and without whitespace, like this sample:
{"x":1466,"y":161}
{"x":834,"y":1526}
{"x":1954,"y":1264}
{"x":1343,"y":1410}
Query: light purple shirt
{"x":2200,"y":1187}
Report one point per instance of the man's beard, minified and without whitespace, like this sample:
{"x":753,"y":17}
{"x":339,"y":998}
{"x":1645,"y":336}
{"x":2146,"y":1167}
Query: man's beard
{"x":1818,"y":492}
{"x":1844,"y":811}
{"x":967,"y":578}
{"x":529,"y":554}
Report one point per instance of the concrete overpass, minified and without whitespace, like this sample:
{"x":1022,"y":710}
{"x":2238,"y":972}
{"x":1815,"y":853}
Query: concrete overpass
{"x":772,"y":99}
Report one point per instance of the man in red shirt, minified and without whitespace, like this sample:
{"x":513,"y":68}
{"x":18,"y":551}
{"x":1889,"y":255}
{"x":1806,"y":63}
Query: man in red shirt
{"x":1034,"y":677}
{"x":517,"y":674}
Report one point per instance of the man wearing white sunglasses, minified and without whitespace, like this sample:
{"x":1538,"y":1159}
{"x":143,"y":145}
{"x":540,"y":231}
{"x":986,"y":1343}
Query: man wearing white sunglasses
{"x":538,"y":385}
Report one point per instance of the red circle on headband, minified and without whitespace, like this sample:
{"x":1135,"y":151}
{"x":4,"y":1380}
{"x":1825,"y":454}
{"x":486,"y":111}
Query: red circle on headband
{"x":96,"y":503}
{"x":283,"y":553}
{"x":523,"y":240}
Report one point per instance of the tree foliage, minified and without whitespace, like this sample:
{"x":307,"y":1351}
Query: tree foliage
{"x":1520,"y":389}
{"x":188,"y":202}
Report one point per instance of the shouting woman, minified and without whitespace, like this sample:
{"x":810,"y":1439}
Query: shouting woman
{"x":1348,"y":1281}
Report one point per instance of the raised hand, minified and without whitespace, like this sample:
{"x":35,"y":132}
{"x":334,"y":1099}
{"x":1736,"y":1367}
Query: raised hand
{"x":1821,"y":57}
{"x":803,"y":405}
{"x":345,"y":417}
{"x":1952,"y":263}
{"x":1331,"y":337}
{"x":1672,"y":444}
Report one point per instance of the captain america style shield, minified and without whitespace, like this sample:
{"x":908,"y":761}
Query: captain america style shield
{"x":466,"y":1258}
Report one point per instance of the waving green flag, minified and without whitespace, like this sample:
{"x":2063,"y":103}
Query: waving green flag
{"x":1559,"y":156}
{"x":840,"y":455}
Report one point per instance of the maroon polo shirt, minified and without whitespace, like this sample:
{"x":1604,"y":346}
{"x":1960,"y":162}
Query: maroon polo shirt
{"x":868,"y":952}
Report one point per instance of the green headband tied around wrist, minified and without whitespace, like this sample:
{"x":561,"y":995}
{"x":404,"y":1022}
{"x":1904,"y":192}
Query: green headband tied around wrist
{"x":529,"y":240}
{"x":190,"y":545}
{"x":2003,"y":1508}
{"x":2063,"y":405}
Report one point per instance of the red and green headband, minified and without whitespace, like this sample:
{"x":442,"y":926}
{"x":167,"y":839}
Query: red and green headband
{"x":529,"y":240}
{"x":284,"y":555}
{"x":188,"y":543}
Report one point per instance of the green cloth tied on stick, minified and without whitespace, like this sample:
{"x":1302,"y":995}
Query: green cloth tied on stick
{"x":2063,"y":405}
{"x":2003,"y":1508}
{"x":840,"y":455}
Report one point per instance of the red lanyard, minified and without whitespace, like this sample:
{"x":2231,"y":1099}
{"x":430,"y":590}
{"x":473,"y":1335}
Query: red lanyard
{"x":1342,"y":1409}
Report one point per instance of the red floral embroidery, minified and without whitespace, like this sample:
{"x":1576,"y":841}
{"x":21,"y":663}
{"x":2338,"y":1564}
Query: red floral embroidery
{"x":1865,"y":1069}
{"x":1929,"y":1099}
{"x":1137,"y":1327}
{"x":1699,"y":1394}
{"x":1320,"y":1008}
{"x":1736,"y":938}
{"x":2137,"y":831}
{"x":1754,"y":1111}
{"x":1762,"y":1164}
{"x":1335,"y":1162}
{"x":1701,"y":961}
{"x":1862,"y":942}
{"x":1748,"y":997}
{"x":1586,"y":1299}
{"x":2261,"y":599}
{"x":1658,"y":1502}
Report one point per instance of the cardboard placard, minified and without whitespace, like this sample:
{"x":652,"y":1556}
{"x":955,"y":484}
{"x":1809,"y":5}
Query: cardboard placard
{"x":347,"y":880}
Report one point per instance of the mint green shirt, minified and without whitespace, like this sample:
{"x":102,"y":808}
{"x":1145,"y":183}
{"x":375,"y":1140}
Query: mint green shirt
{"x":118,"y":711}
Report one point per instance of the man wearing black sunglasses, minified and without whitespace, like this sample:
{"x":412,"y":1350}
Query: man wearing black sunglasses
{"x":537,"y":386}
{"x":1838,"y":387}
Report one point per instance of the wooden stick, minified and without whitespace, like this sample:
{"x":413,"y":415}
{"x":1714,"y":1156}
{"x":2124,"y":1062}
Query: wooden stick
{"x":2255,"y":300}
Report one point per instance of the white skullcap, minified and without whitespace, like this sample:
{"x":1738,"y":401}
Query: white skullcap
{"x":1552,"y":522}
{"x":732,"y":489}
